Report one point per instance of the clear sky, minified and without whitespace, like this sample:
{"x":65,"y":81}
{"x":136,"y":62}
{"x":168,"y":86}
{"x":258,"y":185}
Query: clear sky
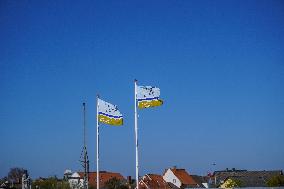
{"x":219,"y":65}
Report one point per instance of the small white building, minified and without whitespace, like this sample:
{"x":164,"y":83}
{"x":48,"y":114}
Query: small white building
{"x":67,"y":174}
{"x":76,"y":181}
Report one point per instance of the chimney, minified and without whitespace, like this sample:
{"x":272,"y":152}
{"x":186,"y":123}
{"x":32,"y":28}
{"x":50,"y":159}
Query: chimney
{"x":129,"y":179}
{"x":175,"y":167}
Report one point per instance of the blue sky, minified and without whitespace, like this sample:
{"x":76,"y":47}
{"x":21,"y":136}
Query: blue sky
{"x":219,"y":65}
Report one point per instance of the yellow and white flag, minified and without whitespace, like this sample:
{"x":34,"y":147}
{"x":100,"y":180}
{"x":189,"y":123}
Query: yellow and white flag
{"x":109,"y":113}
{"x":148,"y":96}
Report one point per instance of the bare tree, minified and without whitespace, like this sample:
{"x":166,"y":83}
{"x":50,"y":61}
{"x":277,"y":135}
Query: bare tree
{"x":15,"y":174}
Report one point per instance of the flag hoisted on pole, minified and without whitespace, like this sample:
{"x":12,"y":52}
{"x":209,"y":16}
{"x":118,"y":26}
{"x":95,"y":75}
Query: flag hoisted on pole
{"x":148,"y":96}
{"x":109,"y":114}
{"x":145,"y":97}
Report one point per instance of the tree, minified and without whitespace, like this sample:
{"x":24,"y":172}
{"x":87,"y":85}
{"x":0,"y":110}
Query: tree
{"x":232,"y":183}
{"x":276,"y":181}
{"x":15,"y":174}
{"x":115,"y":183}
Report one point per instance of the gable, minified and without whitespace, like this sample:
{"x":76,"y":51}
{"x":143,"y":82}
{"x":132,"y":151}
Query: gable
{"x":170,"y":177}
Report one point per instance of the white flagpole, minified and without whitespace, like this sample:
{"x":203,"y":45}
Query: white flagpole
{"x":136,"y":136}
{"x":98,"y":176}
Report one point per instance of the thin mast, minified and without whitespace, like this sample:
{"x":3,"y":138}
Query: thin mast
{"x":84,"y":122}
{"x":86,"y":161}
{"x":136,"y":135}
{"x":98,"y":176}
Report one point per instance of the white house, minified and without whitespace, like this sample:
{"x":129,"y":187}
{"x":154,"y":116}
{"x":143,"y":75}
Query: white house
{"x":179,"y":178}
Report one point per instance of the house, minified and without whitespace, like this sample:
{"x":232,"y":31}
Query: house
{"x":179,"y":178}
{"x":77,"y":178}
{"x":153,"y":181}
{"x":244,"y":178}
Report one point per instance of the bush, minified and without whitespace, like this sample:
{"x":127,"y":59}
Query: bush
{"x":50,"y":183}
{"x":115,"y":183}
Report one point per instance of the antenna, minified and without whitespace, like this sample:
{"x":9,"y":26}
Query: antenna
{"x":85,"y":161}
{"x":84,"y":122}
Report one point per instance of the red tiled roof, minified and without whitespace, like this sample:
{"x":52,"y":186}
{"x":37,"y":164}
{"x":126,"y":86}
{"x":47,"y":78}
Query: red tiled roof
{"x":104,"y":177}
{"x":153,"y":181}
{"x":183,"y":176}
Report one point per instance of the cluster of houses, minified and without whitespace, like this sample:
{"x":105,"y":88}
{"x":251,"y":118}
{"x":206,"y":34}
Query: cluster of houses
{"x":176,"y":178}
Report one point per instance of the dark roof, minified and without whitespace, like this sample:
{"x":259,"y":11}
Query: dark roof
{"x":222,"y":175}
{"x":246,"y":181}
{"x":247,"y":178}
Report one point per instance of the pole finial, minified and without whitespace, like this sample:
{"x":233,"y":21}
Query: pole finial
{"x":135,"y":80}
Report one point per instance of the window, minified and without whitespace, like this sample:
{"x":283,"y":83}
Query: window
{"x":174,"y":180}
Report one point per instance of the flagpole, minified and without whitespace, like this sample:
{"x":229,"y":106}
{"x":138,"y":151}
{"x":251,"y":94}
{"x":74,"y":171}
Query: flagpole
{"x":98,"y":176}
{"x":136,"y":135}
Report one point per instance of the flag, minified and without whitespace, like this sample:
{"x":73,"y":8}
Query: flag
{"x":109,"y":113}
{"x":148,"y":96}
